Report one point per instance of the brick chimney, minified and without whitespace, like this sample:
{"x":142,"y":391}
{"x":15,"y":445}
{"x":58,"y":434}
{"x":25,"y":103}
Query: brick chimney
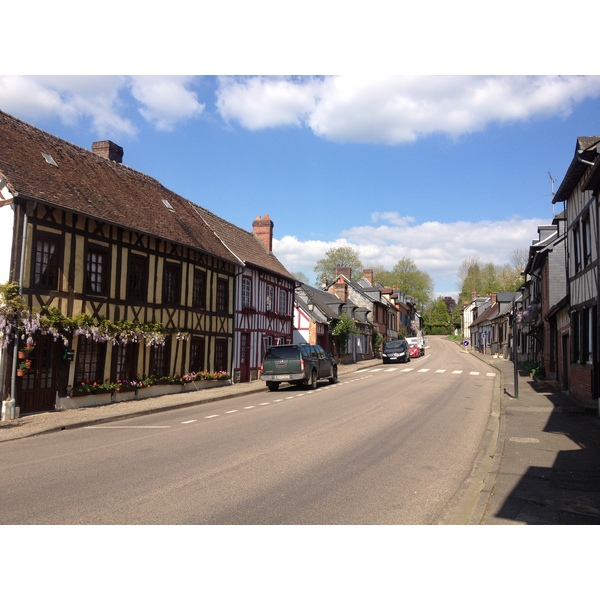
{"x":345,"y":271}
{"x":109,"y":150}
{"x":263,"y":230}
{"x":340,"y":289}
{"x":368,"y":275}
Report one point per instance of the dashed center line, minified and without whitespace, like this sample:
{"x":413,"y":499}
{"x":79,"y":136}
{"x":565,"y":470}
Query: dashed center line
{"x":368,"y":374}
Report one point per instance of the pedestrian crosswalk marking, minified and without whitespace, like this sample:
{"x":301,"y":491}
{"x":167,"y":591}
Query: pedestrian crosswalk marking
{"x":456,"y":372}
{"x":441,"y":371}
{"x":474,"y":373}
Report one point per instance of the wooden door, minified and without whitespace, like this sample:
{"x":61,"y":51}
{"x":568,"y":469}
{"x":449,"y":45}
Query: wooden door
{"x":244,"y":357}
{"x":37,"y":391}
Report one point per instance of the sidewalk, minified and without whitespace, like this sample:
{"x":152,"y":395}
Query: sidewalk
{"x":39,"y":423}
{"x":540,"y":463}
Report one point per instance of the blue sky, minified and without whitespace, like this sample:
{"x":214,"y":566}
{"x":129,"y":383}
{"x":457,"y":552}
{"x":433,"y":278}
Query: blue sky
{"x":436,"y":168}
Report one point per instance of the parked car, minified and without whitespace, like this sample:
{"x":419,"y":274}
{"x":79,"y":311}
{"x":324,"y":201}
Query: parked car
{"x":297,"y":364}
{"x":395,"y":351}
{"x":414,"y":351}
{"x":419,"y":341}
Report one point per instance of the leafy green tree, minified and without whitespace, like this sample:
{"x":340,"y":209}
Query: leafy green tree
{"x":486,"y":278}
{"x":412,"y":281}
{"x":345,"y":257}
{"x":437,"y":318}
{"x":300,"y":276}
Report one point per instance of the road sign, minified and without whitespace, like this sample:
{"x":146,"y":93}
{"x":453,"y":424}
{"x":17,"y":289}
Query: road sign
{"x":466,"y":343}
{"x":483,"y":336}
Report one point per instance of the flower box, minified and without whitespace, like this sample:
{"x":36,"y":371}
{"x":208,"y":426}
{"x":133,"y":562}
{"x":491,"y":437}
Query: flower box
{"x":126,"y":396}
{"x":84,"y":401}
{"x":158,"y":390}
{"x":204,"y":384}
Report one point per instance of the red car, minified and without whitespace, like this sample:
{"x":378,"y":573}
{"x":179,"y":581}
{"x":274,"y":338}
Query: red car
{"x":414,"y":351}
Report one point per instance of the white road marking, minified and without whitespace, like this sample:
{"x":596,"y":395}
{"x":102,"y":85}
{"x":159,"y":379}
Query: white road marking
{"x":128,"y":427}
{"x":456,"y":372}
{"x":191,"y":421}
{"x":248,"y":407}
{"x":474,"y":373}
{"x":441,"y":371}
{"x":211,"y":416}
{"x":230,"y":411}
{"x":490,"y":374}
{"x":422,"y":370}
{"x":407,"y":370}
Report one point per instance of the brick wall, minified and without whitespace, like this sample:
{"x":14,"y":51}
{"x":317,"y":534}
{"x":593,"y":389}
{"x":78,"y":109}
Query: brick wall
{"x":580,"y":383}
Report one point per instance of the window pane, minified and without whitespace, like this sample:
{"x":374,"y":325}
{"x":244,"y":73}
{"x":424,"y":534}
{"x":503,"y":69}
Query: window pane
{"x":136,"y":278}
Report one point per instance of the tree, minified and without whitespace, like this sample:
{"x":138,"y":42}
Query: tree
{"x":412,"y":281}
{"x":344,"y":257}
{"x":437,"y":318}
{"x":484,"y":279}
{"x":299,"y":276}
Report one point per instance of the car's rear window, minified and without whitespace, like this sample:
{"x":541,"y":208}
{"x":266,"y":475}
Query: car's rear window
{"x":395,"y":345}
{"x":282,"y":353}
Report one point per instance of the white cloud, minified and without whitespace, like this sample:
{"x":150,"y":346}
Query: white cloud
{"x":436,"y":248}
{"x":166,"y":101}
{"x":398,"y":109}
{"x":261,"y":102}
{"x":71,"y":99}
{"x":163,"y":101}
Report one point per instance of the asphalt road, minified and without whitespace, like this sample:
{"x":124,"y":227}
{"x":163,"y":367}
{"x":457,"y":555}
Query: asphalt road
{"x":389,"y":445}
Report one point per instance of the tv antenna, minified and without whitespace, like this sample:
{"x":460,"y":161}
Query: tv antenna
{"x":552,"y":182}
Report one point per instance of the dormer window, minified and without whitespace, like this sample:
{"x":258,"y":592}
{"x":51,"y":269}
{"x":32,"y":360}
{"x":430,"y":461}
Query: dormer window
{"x":168,"y":205}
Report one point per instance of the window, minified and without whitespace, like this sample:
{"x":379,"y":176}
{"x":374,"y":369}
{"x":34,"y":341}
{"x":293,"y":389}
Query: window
{"x":90,"y":360}
{"x":197,"y":355}
{"x":96,"y":281}
{"x":159,"y":359}
{"x":577,"y":249}
{"x":587,"y":350}
{"x":221,"y":355}
{"x":282,"y":302}
{"x":586,"y":238}
{"x":270,"y":305}
{"x":46,"y":261}
{"x":125,"y":361}
{"x":171,"y":283}
{"x":576,"y":338}
{"x":222,"y":295}
{"x":246,"y":292}
{"x":137,"y":277}
{"x":199,"y":291}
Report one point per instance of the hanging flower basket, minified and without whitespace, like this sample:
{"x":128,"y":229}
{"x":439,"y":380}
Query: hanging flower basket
{"x":21,"y":354}
{"x":20,"y":372}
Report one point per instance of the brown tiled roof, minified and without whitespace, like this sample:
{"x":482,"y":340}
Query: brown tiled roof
{"x":94,"y":186}
{"x":244,"y":244}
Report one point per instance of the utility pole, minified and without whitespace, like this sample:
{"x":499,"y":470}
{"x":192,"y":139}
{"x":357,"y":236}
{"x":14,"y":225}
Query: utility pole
{"x":515,"y":353}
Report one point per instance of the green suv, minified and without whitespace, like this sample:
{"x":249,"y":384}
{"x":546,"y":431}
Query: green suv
{"x":297,"y":364}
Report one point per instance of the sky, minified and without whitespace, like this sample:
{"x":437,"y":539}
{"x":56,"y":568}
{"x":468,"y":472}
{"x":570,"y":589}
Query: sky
{"x":432,"y":132}
{"x":438,"y":169}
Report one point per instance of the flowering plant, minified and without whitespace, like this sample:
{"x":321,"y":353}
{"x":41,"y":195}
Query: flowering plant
{"x":25,"y":365}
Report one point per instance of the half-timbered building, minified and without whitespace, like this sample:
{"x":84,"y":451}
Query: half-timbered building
{"x":579,"y":192}
{"x":264,"y":293}
{"x":100,"y":244}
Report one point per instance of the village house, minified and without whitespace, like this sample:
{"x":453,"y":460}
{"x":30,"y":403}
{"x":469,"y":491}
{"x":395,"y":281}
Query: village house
{"x":131,"y":281}
{"x":264,"y":293}
{"x":579,"y":192}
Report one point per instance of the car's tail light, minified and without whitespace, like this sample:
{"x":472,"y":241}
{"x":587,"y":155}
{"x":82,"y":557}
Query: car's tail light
{"x":302,"y":364}
{"x":262,"y":367}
